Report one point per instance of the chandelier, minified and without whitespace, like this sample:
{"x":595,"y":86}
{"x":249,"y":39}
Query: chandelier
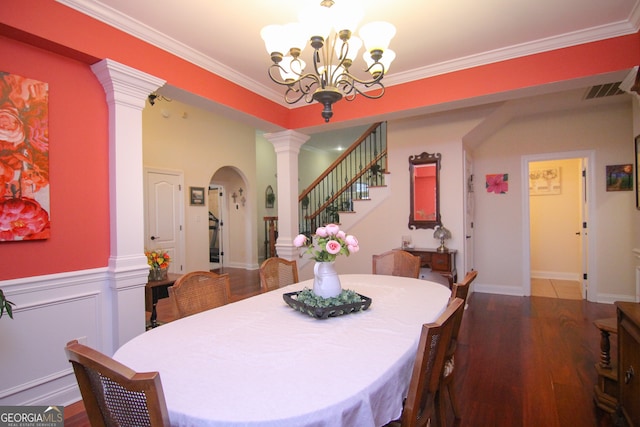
{"x":329,"y":30}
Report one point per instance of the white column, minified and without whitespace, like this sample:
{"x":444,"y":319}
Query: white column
{"x":127,"y":90}
{"x":287,"y":146}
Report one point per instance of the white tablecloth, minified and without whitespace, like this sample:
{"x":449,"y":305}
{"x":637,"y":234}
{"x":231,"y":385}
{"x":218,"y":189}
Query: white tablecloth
{"x":258,"y":362}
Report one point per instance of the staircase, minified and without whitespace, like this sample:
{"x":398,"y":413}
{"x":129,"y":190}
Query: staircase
{"x":350,"y":180}
{"x":350,"y":188}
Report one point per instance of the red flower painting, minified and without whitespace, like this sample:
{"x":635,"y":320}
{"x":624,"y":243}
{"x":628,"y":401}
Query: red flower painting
{"x":24,"y":158}
{"x":498,"y":183}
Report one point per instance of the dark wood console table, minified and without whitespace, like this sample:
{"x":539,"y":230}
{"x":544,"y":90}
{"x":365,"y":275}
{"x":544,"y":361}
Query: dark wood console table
{"x":153,"y":291}
{"x":439,"y":262}
{"x":628,"y":314}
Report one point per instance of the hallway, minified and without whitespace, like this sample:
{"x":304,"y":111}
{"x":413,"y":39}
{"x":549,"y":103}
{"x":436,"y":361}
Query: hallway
{"x":555,"y":288}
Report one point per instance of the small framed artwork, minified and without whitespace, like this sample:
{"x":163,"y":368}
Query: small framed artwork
{"x":637,"y":171}
{"x":544,"y":181}
{"x":620,"y":177}
{"x":270,"y":197}
{"x":196,"y":196}
{"x":497,"y":183}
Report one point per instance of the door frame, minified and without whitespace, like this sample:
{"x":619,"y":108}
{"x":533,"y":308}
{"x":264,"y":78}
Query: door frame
{"x":222,"y":212}
{"x":469,"y":213}
{"x":179,"y":212}
{"x":589,"y":239}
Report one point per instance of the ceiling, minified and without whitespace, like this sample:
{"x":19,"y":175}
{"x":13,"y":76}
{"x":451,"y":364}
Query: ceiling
{"x":433,"y":36}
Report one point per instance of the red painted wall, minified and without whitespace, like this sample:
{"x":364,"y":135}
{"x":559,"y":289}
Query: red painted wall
{"x":78,"y":160}
{"x":54,"y":26}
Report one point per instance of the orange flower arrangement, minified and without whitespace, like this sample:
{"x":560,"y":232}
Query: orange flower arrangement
{"x":157,"y":258}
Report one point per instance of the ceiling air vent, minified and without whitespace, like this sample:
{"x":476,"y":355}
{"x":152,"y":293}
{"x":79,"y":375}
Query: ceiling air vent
{"x":600,"y":91}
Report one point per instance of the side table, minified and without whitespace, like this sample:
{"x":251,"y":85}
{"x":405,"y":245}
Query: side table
{"x":153,"y":291}
{"x":443,"y":263}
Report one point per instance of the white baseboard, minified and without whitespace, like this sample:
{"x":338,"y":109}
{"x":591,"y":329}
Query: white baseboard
{"x":611,"y":298}
{"x":497,"y":289}
{"x":557,"y":275}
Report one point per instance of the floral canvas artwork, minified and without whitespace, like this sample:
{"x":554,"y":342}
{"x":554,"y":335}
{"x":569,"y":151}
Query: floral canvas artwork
{"x":24,"y":158}
{"x":497,"y":183}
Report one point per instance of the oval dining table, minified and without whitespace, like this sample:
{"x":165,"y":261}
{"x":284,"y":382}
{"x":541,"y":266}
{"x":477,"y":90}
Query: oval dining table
{"x":258,"y":362}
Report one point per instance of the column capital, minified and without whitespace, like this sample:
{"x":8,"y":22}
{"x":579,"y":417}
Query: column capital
{"x":124,"y":84}
{"x":287,"y":140}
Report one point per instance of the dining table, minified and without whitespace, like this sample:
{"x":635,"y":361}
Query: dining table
{"x":259,"y":362}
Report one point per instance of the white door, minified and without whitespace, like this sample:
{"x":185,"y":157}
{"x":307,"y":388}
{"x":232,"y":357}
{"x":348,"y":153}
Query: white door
{"x":468,"y":215}
{"x":163,"y":212}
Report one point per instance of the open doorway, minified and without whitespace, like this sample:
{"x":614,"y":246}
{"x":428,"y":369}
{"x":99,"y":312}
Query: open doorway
{"x":216,"y":222}
{"x":556,"y":203}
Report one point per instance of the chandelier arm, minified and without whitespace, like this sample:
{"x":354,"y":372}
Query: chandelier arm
{"x":316,"y":62}
{"x":373,"y":81}
{"x":275,"y":68}
{"x":301,"y":77}
{"x":301,"y":88}
{"x":289,"y":99}
{"x":328,"y":61}
{"x":344,"y":55}
{"x":378,"y":74}
{"x":349,"y":79}
{"x":349,"y":86}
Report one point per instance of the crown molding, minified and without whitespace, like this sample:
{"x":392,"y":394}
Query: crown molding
{"x":132,"y":26}
{"x":538,"y":46}
{"x":118,"y":20}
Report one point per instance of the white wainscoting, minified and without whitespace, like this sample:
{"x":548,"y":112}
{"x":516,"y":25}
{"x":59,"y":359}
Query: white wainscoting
{"x":51,"y":311}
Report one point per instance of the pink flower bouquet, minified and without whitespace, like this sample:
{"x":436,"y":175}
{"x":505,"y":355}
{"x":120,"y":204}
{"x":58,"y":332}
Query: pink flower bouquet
{"x":328,"y":242}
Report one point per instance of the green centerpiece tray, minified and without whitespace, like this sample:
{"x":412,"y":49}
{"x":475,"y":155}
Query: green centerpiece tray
{"x":309,"y":303}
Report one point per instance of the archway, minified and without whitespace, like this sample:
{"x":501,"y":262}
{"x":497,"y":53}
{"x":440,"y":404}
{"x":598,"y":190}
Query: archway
{"x":230,"y":220}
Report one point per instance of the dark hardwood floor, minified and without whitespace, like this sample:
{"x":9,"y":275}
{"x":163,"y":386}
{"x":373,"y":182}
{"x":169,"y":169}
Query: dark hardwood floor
{"x":521,"y":361}
{"x":529,"y":361}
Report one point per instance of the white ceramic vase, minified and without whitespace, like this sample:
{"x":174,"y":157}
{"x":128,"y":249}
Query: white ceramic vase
{"x":326,"y":282}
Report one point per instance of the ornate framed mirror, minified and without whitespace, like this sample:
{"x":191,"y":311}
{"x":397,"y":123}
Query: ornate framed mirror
{"x":424,"y":176}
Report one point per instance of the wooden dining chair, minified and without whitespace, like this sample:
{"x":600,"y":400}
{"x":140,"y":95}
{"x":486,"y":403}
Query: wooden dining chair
{"x":277,"y":272}
{"x":396,"y":263}
{"x":199,"y":291}
{"x":419,"y":407}
{"x":461,"y":290}
{"x":115,"y":395}
{"x":447,"y":383}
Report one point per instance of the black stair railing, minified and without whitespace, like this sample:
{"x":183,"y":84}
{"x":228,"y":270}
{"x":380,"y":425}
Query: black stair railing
{"x":348,"y":178}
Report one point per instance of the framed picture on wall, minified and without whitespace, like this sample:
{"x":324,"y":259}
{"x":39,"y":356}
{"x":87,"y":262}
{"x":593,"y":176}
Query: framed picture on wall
{"x":619,"y":177}
{"x":544,"y":181}
{"x":197,"y":196}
